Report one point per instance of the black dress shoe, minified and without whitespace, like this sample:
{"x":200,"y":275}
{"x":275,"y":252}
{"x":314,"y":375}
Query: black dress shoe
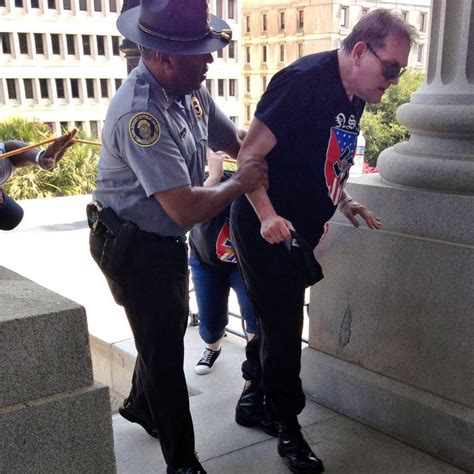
{"x":185,"y":470}
{"x":134,"y":416}
{"x":300,"y":457}
{"x":250,"y":411}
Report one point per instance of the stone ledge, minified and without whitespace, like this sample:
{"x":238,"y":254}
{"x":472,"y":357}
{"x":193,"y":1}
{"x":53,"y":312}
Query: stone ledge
{"x":44,"y":346}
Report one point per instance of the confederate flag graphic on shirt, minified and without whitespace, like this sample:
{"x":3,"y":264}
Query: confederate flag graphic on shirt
{"x":224,"y":249}
{"x":339,"y":159}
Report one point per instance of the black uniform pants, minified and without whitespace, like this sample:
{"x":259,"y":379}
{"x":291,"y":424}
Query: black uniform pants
{"x":152,"y":286}
{"x":276,"y":289}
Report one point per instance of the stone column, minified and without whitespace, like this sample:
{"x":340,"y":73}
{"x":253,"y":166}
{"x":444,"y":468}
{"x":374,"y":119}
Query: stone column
{"x":440,"y":116}
{"x":128,"y":48}
{"x":391,"y":329}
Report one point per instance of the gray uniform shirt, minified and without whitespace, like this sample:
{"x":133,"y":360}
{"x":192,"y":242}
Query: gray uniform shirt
{"x":6,"y":167}
{"x":151,"y":143}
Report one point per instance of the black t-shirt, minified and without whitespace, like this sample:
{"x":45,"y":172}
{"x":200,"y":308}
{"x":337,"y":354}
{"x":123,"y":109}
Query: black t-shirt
{"x":316,"y":127}
{"x":210,"y":241}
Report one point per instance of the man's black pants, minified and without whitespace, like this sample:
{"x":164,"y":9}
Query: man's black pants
{"x":152,"y":286}
{"x":276,"y":288}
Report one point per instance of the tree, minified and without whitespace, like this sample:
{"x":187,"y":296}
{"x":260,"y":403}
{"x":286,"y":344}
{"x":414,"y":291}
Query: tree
{"x":379,"y":125}
{"x":74,"y":175}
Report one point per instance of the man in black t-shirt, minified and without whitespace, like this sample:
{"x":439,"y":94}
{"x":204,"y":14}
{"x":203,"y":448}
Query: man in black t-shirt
{"x":306,"y":125}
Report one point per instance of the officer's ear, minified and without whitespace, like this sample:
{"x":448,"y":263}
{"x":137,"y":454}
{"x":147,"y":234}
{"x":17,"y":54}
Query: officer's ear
{"x":165,"y":60}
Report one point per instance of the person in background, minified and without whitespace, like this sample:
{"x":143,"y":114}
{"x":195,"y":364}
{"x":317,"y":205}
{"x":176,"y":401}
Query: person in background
{"x":11,"y":213}
{"x":306,"y":125}
{"x":214,"y":272}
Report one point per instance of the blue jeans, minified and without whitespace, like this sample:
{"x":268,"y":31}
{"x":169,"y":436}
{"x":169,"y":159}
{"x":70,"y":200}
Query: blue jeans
{"x":212,"y":286}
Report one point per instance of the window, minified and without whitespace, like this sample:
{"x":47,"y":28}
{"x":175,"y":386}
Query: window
{"x":83,"y":5}
{"x":220,"y":53}
{"x":247,"y":83}
{"x":231,"y":50}
{"x":264,"y":83}
{"x":264,"y":54}
{"x":75,"y":88}
{"x":405,"y":15}
{"x":231,"y":9}
{"x":6,"y":46}
{"x":420,"y":53}
{"x":423,"y":21}
{"x":2,"y":3}
{"x":34,"y":3}
{"x":300,"y":50}
{"x":344,"y":17}
{"x":97,"y":5}
{"x":55,"y":45}
{"x":232,"y":87}
{"x":282,"y":53}
{"x":71,"y":47}
{"x":264,"y":22}
{"x":44,"y":92}
{"x":220,"y":87}
{"x":86,"y":45}
{"x":101,"y":45}
{"x":18,"y":4}
{"x":104,"y":88}
{"x":52,"y":4}
{"x":28,"y":84}
{"x":39,"y":45}
{"x":23,"y":40}
{"x":113,"y":5}
{"x":67,"y":5}
{"x":233,"y":118}
{"x":90,"y":88}
{"x":219,"y":11}
{"x":365,"y":11}
{"x":60,"y":88}
{"x":247,"y":54}
{"x":64,"y":126}
{"x":11,"y":89}
{"x":282,"y":21}
{"x":209,"y":85}
{"x":78,"y":125}
{"x":247,"y":113}
{"x":115,"y":45}
{"x":300,"y":19}
{"x":118,"y":83}
{"x":247,"y":24}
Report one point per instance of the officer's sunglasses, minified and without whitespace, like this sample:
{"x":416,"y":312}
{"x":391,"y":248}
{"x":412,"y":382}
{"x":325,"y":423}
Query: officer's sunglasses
{"x":389,"y":71}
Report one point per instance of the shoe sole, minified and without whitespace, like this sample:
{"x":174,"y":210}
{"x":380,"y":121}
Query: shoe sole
{"x":252,"y":424}
{"x":205,"y":371}
{"x":295,"y":470}
{"x":133,"y":419}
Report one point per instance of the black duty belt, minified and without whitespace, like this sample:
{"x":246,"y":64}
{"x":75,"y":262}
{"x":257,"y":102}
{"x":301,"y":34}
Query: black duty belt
{"x":152,"y":237}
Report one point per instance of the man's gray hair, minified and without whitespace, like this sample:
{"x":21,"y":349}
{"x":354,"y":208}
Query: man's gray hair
{"x":374,"y":27}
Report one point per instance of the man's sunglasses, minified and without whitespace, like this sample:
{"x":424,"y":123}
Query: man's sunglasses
{"x":389,"y":71}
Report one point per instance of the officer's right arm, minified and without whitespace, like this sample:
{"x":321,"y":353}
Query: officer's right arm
{"x":188,"y":205}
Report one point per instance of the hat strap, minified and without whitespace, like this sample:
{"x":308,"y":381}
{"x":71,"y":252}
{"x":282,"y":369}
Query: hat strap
{"x":225,"y":34}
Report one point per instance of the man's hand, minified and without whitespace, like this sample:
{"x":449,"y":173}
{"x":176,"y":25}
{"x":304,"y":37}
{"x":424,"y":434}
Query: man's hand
{"x":352,"y":208}
{"x":252,"y":174}
{"x":276,"y":229}
{"x":56,"y":150}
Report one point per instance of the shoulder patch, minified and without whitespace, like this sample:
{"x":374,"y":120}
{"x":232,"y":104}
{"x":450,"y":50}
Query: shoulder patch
{"x":144,"y":129}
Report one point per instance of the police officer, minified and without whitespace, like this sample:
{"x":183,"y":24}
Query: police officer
{"x":149,"y":186}
{"x":11,"y":213}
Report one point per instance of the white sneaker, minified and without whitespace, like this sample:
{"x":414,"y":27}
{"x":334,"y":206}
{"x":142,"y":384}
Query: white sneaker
{"x":206,"y":362}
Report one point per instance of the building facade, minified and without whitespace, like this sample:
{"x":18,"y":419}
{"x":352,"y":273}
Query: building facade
{"x":223,"y":79}
{"x":277,"y":32}
{"x":60,"y":61}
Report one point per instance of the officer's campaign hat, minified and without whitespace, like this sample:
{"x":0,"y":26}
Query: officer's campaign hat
{"x":175,"y":26}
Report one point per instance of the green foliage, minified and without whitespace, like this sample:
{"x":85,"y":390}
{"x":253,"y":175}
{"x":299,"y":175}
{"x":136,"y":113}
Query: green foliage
{"x":75,"y":174}
{"x":379,"y":125}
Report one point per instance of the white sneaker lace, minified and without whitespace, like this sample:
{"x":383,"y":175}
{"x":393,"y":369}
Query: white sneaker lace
{"x":206,"y":357}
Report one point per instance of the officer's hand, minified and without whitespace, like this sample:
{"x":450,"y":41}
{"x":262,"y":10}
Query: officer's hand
{"x":352,"y":208}
{"x":215,"y":164}
{"x":56,"y":150}
{"x":252,"y":174}
{"x":276,"y":229}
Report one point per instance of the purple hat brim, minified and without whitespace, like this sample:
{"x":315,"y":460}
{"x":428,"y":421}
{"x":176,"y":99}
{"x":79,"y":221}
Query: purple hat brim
{"x":127,"y":24}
